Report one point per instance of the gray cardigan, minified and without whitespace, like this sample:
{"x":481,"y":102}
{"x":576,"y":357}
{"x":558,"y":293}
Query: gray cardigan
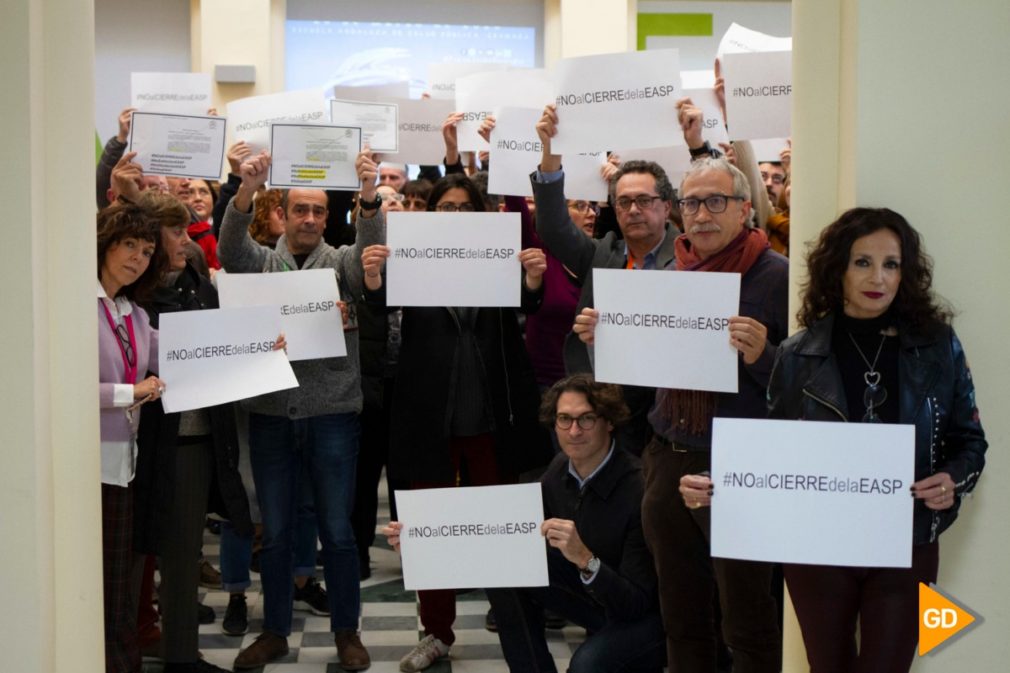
{"x":325,"y":386}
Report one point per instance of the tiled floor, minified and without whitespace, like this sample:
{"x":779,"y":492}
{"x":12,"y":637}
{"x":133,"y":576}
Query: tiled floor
{"x":389,"y":626}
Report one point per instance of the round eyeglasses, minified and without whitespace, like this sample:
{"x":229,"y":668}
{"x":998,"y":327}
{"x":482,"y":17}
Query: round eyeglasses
{"x":586,"y":421}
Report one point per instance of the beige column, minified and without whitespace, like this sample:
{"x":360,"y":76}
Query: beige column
{"x":905,"y":105}
{"x":584,"y":27}
{"x":50,"y":513}
{"x":239,"y":32}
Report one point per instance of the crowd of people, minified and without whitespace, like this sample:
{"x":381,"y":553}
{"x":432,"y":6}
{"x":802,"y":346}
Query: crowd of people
{"x":470,"y":396}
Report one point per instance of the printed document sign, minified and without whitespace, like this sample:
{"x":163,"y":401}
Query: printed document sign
{"x":481,"y":94}
{"x":617,"y":100}
{"x":185,"y":93}
{"x":251,"y":117}
{"x":220,"y":355}
{"x":666,"y":329}
{"x":472,"y":537}
{"x":442,"y":76}
{"x":179,"y":145}
{"x":306,"y":302}
{"x":378,"y":122}
{"x":314,"y":156}
{"x":740,"y":40}
{"x":759,"y":92}
{"x":420,"y":138}
{"x":453,"y":259}
{"x":813,"y":492}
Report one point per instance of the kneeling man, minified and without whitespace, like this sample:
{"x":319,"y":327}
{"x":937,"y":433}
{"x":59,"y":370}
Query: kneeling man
{"x":602,"y":576}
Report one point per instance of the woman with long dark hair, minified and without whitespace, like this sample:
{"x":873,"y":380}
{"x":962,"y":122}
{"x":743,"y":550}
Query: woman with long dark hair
{"x":878,"y":348}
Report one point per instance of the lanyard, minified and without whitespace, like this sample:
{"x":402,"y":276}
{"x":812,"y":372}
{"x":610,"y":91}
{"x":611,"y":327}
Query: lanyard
{"x":130,"y":370}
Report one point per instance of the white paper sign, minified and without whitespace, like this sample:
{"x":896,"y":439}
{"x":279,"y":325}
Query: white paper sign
{"x":583,"y":179}
{"x":251,"y":117}
{"x":740,"y":40}
{"x":442,"y":76}
{"x":666,"y":329}
{"x":378,"y":122}
{"x":179,"y":145}
{"x":315,"y":156}
{"x":516,"y":151}
{"x":220,"y":355}
{"x":186,"y":93}
{"x":697,"y":79}
{"x":472,"y":537}
{"x":617,"y":100}
{"x":759,"y":92}
{"x":712,"y":128}
{"x":813,"y":492}
{"x":421,"y":139}
{"x":674,"y":160}
{"x":377,"y":93}
{"x":483,"y":93}
{"x":453,"y":259}
{"x":306,"y":301}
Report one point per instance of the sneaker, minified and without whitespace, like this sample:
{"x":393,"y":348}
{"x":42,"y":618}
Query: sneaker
{"x":236,"y":616}
{"x":351,"y":653}
{"x":198,"y":666}
{"x":210,"y":577}
{"x":490,"y":623}
{"x":205,"y":614}
{"x":424,"y":654}
{"x":266,"y":648}
{"x":312,"y":598}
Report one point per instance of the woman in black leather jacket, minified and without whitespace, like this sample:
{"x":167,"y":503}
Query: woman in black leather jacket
{"x":878,"y":348}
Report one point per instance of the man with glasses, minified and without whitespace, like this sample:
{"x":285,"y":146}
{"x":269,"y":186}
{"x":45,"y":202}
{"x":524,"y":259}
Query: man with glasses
{"x":643,"y":198}
{"x":715,"y":204}
{"x":601,"y":573}
{"x":774,"y":176}
{"x":313,"y":426}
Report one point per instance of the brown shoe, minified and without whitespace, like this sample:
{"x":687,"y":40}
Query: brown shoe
{"x":210,"y":577}
{"x":352,"y":654}
{"x":266,"y":648}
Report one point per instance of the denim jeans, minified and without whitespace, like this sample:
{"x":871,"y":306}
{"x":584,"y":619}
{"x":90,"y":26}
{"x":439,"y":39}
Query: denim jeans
{"x":327,"y":447}
{"x":612,"y":646}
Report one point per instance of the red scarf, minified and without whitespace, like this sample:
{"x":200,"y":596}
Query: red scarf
{"x":693,"y":409}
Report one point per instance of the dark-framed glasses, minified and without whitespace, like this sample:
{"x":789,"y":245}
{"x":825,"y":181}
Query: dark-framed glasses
{"x":643,"y":201}
{"x":124,"y":339}
{"x":454,"y":207}
{"x":714,"y":204}
{"x":586,"y":421}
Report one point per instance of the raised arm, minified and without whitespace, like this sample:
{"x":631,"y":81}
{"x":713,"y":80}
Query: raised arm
{"x":236,"y":249}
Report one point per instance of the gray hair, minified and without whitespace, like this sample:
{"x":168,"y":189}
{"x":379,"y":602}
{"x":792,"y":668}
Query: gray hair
{"x":663,"y":187}
{"x":740,"y":185}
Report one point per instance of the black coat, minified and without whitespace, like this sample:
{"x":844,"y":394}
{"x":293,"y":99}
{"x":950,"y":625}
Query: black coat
{"x":158,"y":433}
{"x":935,"y":394}
{"x":608,"y":515}
{"x":419,"y":439}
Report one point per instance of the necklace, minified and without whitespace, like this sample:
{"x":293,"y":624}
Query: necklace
{"x":875,"y":394}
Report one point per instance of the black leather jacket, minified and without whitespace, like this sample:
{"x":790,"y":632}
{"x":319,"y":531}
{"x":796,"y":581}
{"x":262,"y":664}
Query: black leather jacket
{"x":936,"y":395}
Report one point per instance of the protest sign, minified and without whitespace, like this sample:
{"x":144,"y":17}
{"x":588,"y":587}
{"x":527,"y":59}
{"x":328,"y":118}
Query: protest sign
{"x":251,"y":117}
{"x":314,"y":156}
{"x":420,"y":137}
{"x":179,"y":145}
{"x":377,"y":121}
{"x":759,"y":93}
{"x":483,"y":93}
{"x":184,"y":93}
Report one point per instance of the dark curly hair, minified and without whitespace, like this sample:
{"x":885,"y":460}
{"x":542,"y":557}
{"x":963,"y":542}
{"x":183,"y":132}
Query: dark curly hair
{"x":456,"y":181}
{"x":606,"y":399}
{"x":663,"y":187}
{"x":122,"y":221}
{"x":914,"y":305}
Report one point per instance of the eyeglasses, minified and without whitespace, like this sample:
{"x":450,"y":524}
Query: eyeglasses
{"x":643,"y":201}
{"x":586,"y":421}
{"x":124,"y":339}
{"x":395,"y":196}
{"x":585,"y":207}
{"x":454,"y":207}
{"x":714,"y":204}
{"x":776,"y":178}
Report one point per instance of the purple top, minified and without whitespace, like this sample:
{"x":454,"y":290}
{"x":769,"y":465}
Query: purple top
{"x":118,"y":427}
{"x":547,"y":328}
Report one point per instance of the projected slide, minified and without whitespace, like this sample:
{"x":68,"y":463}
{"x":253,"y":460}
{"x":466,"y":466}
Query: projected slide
{"x":346,"y":53}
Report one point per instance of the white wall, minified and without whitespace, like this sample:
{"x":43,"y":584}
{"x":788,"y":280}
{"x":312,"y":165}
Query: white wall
{"x":132,"y":36}
{"x":696,"y":53}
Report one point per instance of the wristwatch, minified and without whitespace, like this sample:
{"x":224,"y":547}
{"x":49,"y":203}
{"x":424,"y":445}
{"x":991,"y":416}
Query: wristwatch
{"x":702,"y":151}
{"x":371,"y":205}
{"x":592,"y":567}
